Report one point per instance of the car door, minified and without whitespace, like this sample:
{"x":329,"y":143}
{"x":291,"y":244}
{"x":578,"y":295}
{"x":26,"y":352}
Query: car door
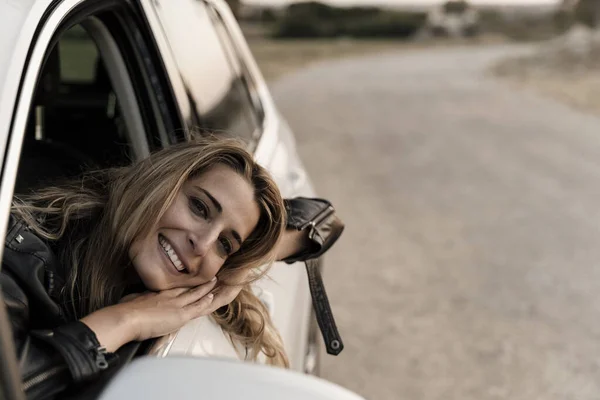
{"x":224,"y":93}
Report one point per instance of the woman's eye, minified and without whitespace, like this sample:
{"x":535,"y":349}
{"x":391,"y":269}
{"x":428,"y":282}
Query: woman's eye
{"x":198,"y":207}
{"x":226,"y":246}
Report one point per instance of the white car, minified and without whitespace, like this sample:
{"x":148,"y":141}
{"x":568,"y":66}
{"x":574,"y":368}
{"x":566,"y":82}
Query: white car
{"x":193,"y":378}
{"x":103,"y":82}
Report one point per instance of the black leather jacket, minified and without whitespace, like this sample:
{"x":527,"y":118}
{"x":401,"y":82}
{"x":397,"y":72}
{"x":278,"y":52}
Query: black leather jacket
{"x":54,"y":351}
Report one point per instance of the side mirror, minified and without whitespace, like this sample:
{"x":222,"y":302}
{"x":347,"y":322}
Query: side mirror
{"x":203,"y":378}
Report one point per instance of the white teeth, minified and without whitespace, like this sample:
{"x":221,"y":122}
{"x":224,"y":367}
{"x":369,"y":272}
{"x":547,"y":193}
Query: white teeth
{"x":172,"y":255}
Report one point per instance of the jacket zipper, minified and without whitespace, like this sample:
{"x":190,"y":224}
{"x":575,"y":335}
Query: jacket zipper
{"x":42,"y":376}
{"x":101,"y":362}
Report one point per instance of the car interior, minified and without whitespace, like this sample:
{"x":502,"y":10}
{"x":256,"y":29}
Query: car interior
{"x":75,"y":121}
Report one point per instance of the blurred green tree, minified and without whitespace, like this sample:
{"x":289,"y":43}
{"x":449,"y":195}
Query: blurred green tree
{"x":455,"y":6}
{"x":313,"y":19}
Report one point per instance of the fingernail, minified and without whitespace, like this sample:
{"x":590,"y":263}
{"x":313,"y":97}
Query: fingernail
{"x":213,"y":279}
{"x":210,"y":296}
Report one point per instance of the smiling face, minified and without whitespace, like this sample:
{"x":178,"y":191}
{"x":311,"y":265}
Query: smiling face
{"x":207,"y":222}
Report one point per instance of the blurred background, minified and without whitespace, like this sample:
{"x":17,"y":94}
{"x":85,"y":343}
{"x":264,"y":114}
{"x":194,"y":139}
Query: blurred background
{"x":460,"y":141}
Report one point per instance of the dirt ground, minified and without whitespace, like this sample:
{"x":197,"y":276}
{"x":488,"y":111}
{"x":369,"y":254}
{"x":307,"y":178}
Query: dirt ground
{"x":566,"y":68}
{"x":279,"y":57}
{"x":579,"y":89}
{"x":468,"y":268}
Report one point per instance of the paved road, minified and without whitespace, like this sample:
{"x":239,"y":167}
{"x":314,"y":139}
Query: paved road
{"x":471,"y":264}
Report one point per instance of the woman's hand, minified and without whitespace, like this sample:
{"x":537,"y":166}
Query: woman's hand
{"x":292,"y":242}
{"x":224,"y":295}
{"x":157,"y":314}
{"x":149,"y":315}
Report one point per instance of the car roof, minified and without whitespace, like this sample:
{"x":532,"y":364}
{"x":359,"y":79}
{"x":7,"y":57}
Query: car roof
{"x":19,"y":20}
{"x":13,"y":16}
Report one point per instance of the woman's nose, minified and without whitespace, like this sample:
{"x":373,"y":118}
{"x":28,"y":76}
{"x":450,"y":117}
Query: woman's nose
{"x":201,"y":242}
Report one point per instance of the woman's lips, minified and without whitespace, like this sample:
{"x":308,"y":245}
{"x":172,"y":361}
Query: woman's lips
{"x":171,"y":253}
{"x":169,"y":264}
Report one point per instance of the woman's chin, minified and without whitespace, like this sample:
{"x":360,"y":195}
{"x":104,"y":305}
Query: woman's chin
{"x":155,"y":283}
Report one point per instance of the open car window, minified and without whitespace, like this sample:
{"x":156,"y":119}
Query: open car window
{"x":92,"y":94}
{"x":75,"y":121}
{"x":84,"y":113}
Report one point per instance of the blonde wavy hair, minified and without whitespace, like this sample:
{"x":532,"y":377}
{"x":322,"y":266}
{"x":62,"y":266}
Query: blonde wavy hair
{"x":91,"y":223}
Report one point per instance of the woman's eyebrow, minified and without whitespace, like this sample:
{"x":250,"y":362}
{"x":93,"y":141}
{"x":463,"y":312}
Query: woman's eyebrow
{"x":219,"y":208}
{"x":212,"y":199}
{"x":237,"y":237}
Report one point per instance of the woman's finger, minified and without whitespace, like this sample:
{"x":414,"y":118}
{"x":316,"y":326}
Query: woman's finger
{"x":200,"y":307}
{"x":224,"y":296}
{"x":176,"y":292}
{"x":198,"y":292}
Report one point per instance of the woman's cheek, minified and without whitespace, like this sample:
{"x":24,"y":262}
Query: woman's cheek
{"x":133,"y":250}
{"x":212,"y":268}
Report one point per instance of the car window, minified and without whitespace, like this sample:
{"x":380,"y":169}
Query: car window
{"x":213,"y":78}
{"x":85,"y":112}
{"x":247,"y":84}
{"x":75,"y":119}
{"x":78,"y":56}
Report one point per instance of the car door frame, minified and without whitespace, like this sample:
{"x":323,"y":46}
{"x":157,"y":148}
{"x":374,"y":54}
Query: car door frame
{"x":42,"y":22}
{"x":22,"y":78}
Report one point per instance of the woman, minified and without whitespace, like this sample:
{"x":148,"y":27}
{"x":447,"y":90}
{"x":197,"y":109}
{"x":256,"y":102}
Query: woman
{"x":134,"y":253}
